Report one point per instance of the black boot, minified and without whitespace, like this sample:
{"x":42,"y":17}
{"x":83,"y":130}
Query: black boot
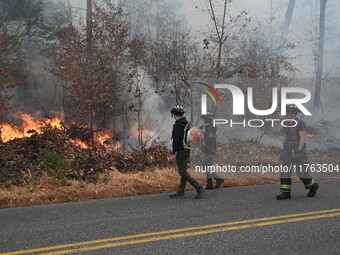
{"x":178,"y":194}
{"x":283,"y":196}
{"x":219,"y":183}
{"x":313,"y":190}
{"x":200,"y":192}
{"x":209,"y":184}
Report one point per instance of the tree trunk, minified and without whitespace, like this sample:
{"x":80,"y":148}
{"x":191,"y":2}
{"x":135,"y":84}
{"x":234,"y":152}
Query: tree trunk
{"x":319,"y":64}
{"x":220,"y":34}
{"x":219,"y":59}
{"x":89,"y":52}
{"x":92,"y":130}
{"x":192,"y":102}
{"x":89,"y":21}
{"x":288,"y":19}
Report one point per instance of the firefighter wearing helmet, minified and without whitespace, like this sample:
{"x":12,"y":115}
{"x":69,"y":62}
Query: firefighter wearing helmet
{"x":294,"y":154}
{"x":209,"y":150}
{"x":182,"y":152}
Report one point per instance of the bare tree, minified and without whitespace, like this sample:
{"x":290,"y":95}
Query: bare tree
{"x":220,"y":31}
{"x":224,"y":33}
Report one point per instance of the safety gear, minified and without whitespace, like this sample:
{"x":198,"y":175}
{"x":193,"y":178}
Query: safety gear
{"x":210,"y":183}
{"x":178,"y":194}
{"x":178,"y":110}
{"x":194,"y":135}
{"x":209,"y":139}
{"x":179,"y":132}
{"x":292,"y":157}
{"x":219,"y":183}
{"x":293,"y":135}
{"x":286,"y":184}
{"x":313,"y":190}
{"x":292,"y":108}
{"x":283,"y":196}
{"x":182,"y":159}
{"x":310,"y":184}
{"x":179,"y":135}
{"x":208,"y":116}
{"x":186,"y":139}
{"x":200,"y":192}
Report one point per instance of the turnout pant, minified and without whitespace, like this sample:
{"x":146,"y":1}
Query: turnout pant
{"x":207,"y":162}
{"x":182,"y":159}
{"x":294,"y":161}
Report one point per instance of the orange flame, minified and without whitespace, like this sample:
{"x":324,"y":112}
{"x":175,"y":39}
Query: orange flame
{"x":10,"y":132}
{"x":113,"y":146}
{"x":80,"y":143}
{"x":31,"y":125}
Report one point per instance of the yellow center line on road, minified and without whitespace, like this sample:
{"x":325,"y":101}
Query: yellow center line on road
{"x":43,"y":249}
{"x":98,"y":247}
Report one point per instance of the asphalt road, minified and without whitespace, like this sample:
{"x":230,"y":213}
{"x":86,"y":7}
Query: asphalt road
{"x":313,"y":229}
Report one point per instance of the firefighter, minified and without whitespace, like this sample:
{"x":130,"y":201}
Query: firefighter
{"x":209,"y":150}
{"x":182,"y":153}
{"x":294,"y":154}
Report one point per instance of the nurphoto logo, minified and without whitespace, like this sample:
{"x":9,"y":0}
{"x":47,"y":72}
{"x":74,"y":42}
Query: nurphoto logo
{"x":238,"y":104}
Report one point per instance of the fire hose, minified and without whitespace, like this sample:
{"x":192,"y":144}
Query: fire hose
{"x":267,"y":178}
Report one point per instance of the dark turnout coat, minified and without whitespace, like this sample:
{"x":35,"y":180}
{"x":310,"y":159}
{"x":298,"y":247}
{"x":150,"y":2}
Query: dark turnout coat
{"x":178,"y":134}
{"x":209,"y":139}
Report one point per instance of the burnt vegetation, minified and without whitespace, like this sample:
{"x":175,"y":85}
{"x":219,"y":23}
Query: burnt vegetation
{"x":52,"y":152}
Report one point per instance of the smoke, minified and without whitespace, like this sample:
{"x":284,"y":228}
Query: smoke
{"x":155,"y":118}
{"x":38,"y":89}
{"x":303,"y":32}
{"x":42,"y":90}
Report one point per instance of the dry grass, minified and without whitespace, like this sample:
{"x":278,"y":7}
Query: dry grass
{"x":113,"y":184}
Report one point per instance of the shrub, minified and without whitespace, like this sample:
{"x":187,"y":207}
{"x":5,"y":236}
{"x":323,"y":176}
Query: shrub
{"x":57,"y":167}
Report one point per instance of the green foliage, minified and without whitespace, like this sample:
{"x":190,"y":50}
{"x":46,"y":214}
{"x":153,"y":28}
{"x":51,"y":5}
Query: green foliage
{"x":206,"y":44}
{"x":57,"y":167}
{"x":54,"y":161}
{"x":106,"y":180}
